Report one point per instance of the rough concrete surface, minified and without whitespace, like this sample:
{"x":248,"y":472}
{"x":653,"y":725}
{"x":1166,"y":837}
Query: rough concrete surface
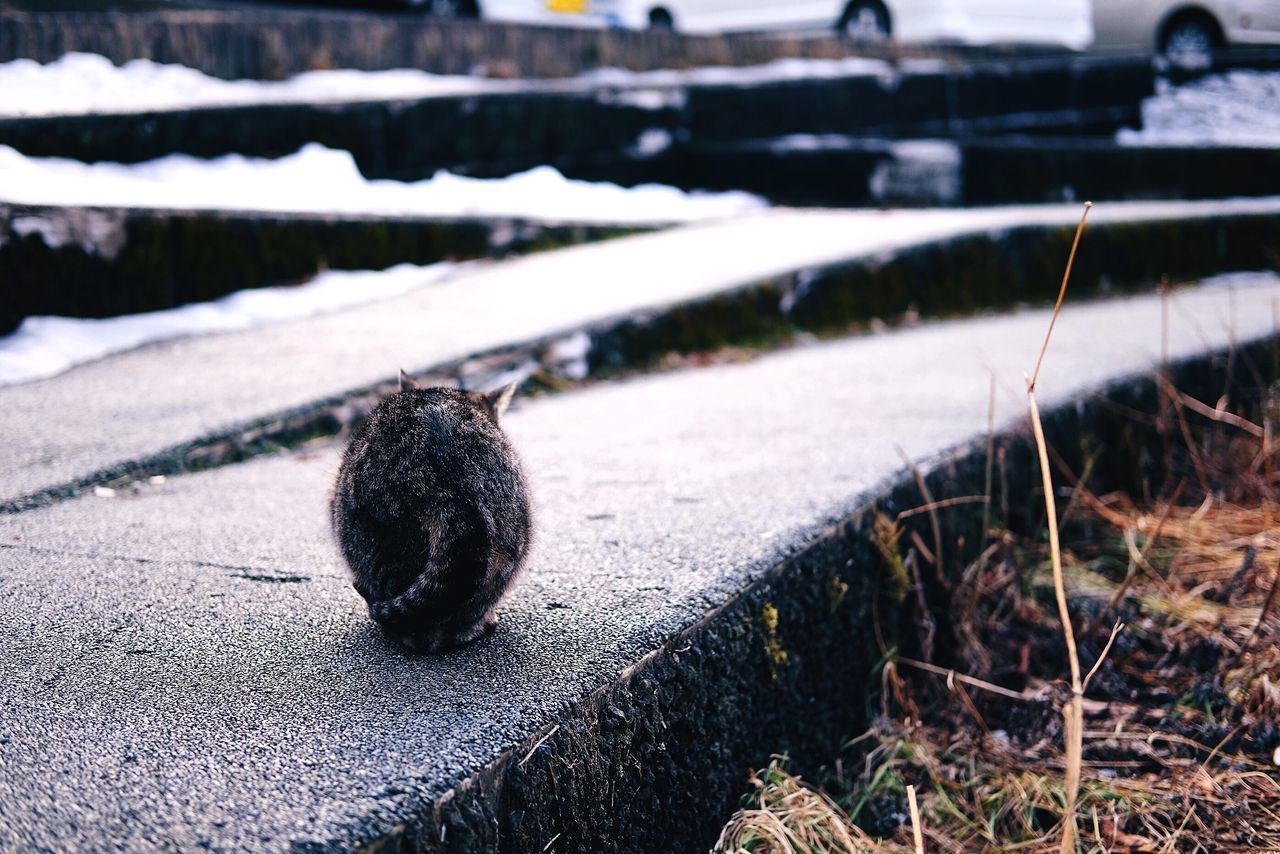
{"x":185,"y":664}
{"x":108,"y":413}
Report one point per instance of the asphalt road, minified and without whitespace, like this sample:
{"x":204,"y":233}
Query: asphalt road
{"x":186,"y":664}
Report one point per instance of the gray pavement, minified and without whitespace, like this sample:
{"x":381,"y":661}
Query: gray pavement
{"x":143,"y":403}
{"x":185,"y":663}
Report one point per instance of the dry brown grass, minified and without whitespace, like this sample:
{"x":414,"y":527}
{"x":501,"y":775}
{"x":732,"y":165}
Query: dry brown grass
{"x":1176,"y":748}
{"x":787,"y":816}
{"x":1179,"y":735}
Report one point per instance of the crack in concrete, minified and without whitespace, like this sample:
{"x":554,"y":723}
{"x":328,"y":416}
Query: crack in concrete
{"x":250,"y":573}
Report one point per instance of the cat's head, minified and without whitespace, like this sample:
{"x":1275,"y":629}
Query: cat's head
{"x":492,"y":402}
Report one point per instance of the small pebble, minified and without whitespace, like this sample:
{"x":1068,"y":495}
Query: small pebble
{"x":104,"y":492}
{"x":156,"y":478}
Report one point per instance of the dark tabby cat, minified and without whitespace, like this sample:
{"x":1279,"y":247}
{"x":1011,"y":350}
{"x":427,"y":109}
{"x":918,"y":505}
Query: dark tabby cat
{"x":431,"y":511}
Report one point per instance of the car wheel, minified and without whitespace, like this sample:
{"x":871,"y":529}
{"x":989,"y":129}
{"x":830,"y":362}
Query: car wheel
{"x":660,"y":19}
{"x":446,"y":8}
{"x":1189,"y":42}
{"x":865,"y":21}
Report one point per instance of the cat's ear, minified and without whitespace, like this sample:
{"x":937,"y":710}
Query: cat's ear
{"x":406,"y":381}
{"x":499,"y":399}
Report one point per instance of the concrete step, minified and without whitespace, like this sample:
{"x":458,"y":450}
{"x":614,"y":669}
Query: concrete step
{"x":103,"y":262}
{"x":566,"y":123}
{"x":186,"y":665}
{"x":161,"y":408}
{"x":840,"y":170}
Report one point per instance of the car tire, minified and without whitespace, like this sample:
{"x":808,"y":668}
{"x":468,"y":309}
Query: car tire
{"x":865,"y":21}
{"x":445,"y":8}
{"x":1188,"y":41}
{"x":660,"y":20}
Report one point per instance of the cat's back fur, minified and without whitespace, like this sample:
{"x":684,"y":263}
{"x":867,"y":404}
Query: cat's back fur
{"x":431,"y":512}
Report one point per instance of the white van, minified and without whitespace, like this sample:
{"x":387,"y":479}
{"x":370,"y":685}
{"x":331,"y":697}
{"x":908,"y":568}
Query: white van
{"x":1055,"y":22}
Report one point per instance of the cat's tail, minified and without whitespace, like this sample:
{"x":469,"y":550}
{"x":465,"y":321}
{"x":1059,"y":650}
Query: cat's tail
{"x":417,"y":605}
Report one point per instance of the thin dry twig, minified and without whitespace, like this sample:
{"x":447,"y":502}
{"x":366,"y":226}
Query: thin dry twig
{"x":922,"y":548}
{"x":1214,"y":414}
{"x":1062,"y":294}
{"x":916,"y":834}
{"x":925,"y":622}
{"x":1267,"y":607}
{"x":990,"y":461}
{"x":1115,"y":630}
{"x":968,"y":680}
{"x":940,"y":504}
{"x":1197,"y":462}
{"x":1073,"y":714}
{"x":934,"y":522}
{"x":1078,"y":490}
{"x":538,"y":744}
{"x":1242,"y":574}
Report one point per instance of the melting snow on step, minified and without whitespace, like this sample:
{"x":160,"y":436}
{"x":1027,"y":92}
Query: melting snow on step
{"x":46,"y":346}
{"x":81,"y":83}
{"x":323,"y":180}
{"x":1241,"y":108}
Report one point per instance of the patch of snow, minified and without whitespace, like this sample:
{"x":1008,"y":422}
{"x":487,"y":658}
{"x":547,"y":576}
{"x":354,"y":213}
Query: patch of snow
{"x":923,"y":65}
{"x":80,"y":83}
{"x":814,"y":142}
{"x":517,"y":374}
{"x":46,"y":346}
{"x":941,"y":152}
{"x":651,"y":99}
{"x":99,"y":232}
{"x":924,"y":171}
{"x":322,"y":180}
{"x":49,"y":232}
{"x":1067,"y":23}
{"x":569,"y":349}
{"x":776,"y":71}
{"x":921,"y":150}
{"x":651,"y":142}
{"x":1240,"y":108}
{"x":88,"y":83}
{"x":1241,"y":279}
{"x":568,"y":356}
